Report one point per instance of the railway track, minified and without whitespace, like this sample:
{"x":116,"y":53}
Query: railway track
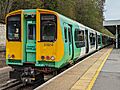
{"x":14,"y":84}
{"x":10,"y":85}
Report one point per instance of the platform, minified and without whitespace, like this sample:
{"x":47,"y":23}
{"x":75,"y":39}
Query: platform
{"x":109,"y":77}
{"x":81,"y":76}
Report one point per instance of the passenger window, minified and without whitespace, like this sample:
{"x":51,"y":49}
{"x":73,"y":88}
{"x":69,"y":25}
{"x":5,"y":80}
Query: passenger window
{"x":92,"y":40}
{"x":99,"y":40}
{"x":103,"y":40}
{"x":79,"y":38}
{"x":65,"y":33}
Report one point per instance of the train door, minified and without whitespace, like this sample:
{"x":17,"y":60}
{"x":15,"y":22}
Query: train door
{"x":69,"y":41}
{"x":86,"y":41}
{"x":31,"y":41}
{"x":118,"y":40}
{"x":96,"y":41}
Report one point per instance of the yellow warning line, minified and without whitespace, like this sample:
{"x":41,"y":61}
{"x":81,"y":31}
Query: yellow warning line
{"x":97,"y":72}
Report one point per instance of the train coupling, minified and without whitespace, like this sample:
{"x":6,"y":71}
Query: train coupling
{"x":30,"y":75}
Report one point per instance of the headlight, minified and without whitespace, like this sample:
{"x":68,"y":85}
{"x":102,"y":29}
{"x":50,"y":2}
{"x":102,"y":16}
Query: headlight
{"x":52,"y":58}
{"x":9,"y":56}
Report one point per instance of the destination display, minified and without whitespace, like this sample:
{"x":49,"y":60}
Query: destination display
{"x":47,"y":17}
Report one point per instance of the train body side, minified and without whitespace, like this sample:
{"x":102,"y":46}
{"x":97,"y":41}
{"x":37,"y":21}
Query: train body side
{"x":42,"y":41}
{"x":75,"y":49}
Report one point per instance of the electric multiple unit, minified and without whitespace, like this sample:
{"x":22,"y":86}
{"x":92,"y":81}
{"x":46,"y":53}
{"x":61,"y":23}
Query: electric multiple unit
{"x":41,"y":41}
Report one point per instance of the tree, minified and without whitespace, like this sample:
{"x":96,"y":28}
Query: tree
{"x":90,"y":13}
{"x":26,"y":4}
{"x":65,"y":7}
{"x":5,"y":6}
{"x":50,"y":4}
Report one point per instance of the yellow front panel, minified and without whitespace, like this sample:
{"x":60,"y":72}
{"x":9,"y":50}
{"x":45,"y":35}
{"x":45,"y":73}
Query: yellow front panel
{"x":56,"y":48}
{"x":14,"y":48}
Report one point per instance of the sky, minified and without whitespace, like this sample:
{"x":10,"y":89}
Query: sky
{"x":112,"y":10}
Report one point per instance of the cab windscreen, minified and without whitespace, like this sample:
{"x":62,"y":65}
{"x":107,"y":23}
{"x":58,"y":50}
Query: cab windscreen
{"x":14,"y":27}
{"x":48,"y":27}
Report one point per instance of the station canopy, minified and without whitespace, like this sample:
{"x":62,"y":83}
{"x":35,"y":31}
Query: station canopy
{"x":112,"y":25}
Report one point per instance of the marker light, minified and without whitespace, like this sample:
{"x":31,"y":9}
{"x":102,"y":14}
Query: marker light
{"x":13,"y":56}
{"x":52,"y":58}
{"x":42,"y":57}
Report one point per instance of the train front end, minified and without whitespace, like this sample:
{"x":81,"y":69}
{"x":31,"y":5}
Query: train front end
{"x":34,"y":42}
{"x":49,"y":45}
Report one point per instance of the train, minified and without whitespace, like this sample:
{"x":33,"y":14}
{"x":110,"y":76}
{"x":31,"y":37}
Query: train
{"x":43,"y":41}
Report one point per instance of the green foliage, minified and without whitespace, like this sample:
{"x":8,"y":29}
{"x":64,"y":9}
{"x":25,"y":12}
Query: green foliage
{"x":49,"y":4}
{"x":26,"y":4}
{"x":5,"y":6}
{"x":88,"y":13}
{"x":67,"y":8}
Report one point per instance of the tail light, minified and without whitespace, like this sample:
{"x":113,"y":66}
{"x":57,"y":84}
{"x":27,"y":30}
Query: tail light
{"x":47,"y":57}
{"x":13,"y":56}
